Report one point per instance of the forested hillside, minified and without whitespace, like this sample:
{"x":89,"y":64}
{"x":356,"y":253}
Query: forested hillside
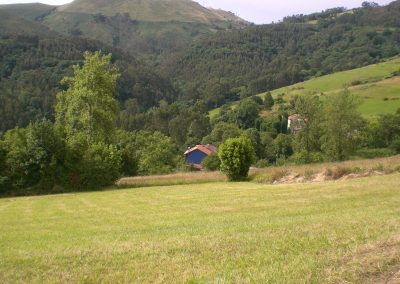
{"x":34,"y":59}
{"x":260,"y":58}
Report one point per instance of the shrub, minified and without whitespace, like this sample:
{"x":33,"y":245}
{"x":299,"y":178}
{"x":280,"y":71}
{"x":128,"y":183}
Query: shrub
{"x":379,"y":168}
{"x":34,"y":155}
{"x":375,"y":153}
{"x":338,"y":172}
{"x":101,"y":166}
{"x":263,"y":178}
{"x":279,"y":174}
{"x":211,"y":163}
{"x":302,"y":157}
{"x":262,"y":164}
{"x":146,"y":153}
{"x":237,"y":155}
{"x":3,"y":173}
{"x":395,"y":146}
{"x":309,"y":174}
{"x":356,"y":82}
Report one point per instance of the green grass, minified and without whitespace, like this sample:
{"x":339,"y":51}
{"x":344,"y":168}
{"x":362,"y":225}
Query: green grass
{"x":216,"y":232}
{"x":376,"y":85}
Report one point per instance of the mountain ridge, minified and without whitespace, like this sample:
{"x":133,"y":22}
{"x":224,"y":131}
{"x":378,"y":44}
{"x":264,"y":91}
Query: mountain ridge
{"x":153,"y":10}
{"x":151,"y":29}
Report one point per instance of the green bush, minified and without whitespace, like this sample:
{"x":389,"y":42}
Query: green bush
{"x":146,"y":153}
{"x":302,"y":157}
{"x":262,"y":164}
{"x":375,"y":153}
{"x":236,"y":155}
{"x":395,"y":145}
{"x":211,"y":163}
{"x":3,"y":169}
{"x":101,"y":166}
{"x":34,"y":155}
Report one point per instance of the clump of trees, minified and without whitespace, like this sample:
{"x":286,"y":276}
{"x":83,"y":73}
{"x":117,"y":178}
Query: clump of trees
{"x":83,"y":148}
{"x":331,"y":129}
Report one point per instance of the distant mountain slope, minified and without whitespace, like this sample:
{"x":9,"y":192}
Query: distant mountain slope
{"x":33,"y":60}
{"x":153,"y":10}
{"x":34,"y":11}
{"x":157,"y":29}
{"x":12,"y":25}
{"x":259,"y":58}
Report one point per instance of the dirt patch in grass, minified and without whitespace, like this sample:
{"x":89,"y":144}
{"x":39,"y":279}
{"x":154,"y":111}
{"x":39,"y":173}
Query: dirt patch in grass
{"x":286,"y":177}
{"x":326,"y":172}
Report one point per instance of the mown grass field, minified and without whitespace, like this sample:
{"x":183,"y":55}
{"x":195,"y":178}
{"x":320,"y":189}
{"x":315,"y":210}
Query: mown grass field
{"x":378,"y":90}
{"x":216,"y":232}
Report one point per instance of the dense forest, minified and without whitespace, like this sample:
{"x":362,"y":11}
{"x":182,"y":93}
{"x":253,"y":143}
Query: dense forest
{"x":34,"y":59}
{"x":261,"y":58}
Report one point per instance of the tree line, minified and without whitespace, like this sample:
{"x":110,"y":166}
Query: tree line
{"x":83,"y":149}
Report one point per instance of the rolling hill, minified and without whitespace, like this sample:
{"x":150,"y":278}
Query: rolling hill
{"x":378,"y":85}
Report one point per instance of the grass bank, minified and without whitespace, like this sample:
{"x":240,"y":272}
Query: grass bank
{"x":268,"y":175}
{"x":221,"y":232}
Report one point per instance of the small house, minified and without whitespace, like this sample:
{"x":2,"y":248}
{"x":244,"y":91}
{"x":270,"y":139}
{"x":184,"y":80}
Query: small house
{"x":197,"y":154}
{"x":295,"y":123}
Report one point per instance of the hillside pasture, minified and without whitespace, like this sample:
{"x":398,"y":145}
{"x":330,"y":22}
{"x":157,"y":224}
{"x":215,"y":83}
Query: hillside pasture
{"x":376,"y":85}
{"x":360,"y":76}
{"x":330,"y":232}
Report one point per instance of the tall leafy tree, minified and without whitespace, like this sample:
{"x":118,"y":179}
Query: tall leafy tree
{"x":247,"y":113}
{"x":308,"y":139}
{"x":88,"y":106}
{"x":268,"y":101}
{"x":341,"y":125}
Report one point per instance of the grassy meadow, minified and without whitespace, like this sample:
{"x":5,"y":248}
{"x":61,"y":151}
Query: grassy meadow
{"x":375,"y":84}
{"x":329,"y":232}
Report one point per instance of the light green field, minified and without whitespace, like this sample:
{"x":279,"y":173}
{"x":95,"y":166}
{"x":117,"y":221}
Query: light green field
{"x":376,"y":85}
{"x":210,"y":233}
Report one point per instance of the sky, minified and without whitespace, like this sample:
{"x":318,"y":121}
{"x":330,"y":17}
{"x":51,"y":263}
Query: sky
{"x":256,"y":11}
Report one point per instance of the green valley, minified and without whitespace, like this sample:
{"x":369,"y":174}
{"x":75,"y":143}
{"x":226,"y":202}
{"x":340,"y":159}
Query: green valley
{"x":161,"y":141}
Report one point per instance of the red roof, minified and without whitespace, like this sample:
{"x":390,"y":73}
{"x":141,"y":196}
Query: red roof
{"x":206,"y":149}
{"x":294,"y":117}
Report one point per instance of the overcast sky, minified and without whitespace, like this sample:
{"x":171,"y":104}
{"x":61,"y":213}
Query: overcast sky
{"x":256,"y":11}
